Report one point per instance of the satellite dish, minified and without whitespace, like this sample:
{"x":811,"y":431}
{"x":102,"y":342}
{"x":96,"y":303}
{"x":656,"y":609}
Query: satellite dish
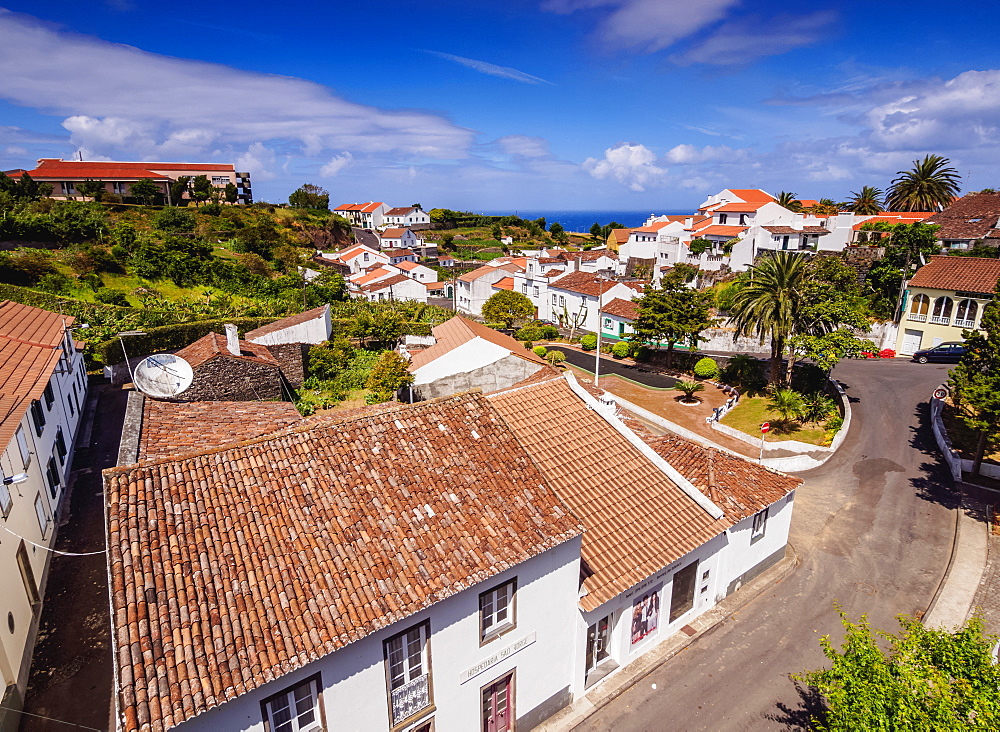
{"x":163,"y":375}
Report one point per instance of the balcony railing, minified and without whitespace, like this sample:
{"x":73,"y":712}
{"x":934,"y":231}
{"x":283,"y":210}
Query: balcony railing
{"x":410,"y":698}
{"x":940,"y":320}
{"x":920,"y":318}
{"x":964,"y":323}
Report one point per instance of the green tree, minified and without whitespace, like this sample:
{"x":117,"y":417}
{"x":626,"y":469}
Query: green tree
{"x":975,"y":381}
{"x":689,"y":389}
{"x":507,"y":307}
{"x":201,"y":188}
{"x":92,"y":189}
{"x":827,"y":349}
{"x":390,"y":373}
{"x":555,"y":357}
{"x":932,"y":184}
{"x":310,"y":196}
{"x":867,"y":201}
{"x":29,"y":189}
{"x":770,"y":304}
{"x":497,"y":232}
{"x":699,"y":246}
{"x":597,"y":233}
{"x":231,"y":193}
{"x":145,"y":191}
{"x":788,"y":200}
{"x":917,"y":679}
{"x":673,"y":313}
{"x":178,"y":188}
{"x":789,"y":404}
{"x":558,"y":232}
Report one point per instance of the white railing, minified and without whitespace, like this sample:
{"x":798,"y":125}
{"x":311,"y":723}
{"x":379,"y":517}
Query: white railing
{"x":964,"y":323}
{"x":940,"y":320}
{"x":917,"y":317}
{"x":410,"y":698}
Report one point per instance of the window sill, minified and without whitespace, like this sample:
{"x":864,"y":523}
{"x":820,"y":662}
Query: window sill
{"x":496,"y":633}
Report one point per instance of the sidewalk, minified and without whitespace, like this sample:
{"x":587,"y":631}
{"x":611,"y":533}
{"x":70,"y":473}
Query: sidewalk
{"x":631,"y":674}
{"x":953,"y":602}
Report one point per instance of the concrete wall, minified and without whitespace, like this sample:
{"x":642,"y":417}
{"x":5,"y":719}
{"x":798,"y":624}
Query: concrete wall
{"x":744,"y":558}
{"x":353,"y":678}
{"x":312,"y":331}
{"x":951,"y":456}
{"x":499,"y":374}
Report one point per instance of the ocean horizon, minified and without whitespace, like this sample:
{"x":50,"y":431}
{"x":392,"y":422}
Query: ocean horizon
{"x":584,"y":219}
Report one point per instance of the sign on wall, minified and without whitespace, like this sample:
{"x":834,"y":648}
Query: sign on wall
{"x":645,"y":615}
{"x":496,"y":658}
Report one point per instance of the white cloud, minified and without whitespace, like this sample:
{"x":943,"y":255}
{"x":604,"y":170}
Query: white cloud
{"x":687,"y":154}
{"x":258,"y":160}
{"x":524,"y":146}
{"x":740,"y":43}
{"x":337,"y":163}
{"x":484,"y":67}
{"x":122,"y":101}
{"x":630,"y":164}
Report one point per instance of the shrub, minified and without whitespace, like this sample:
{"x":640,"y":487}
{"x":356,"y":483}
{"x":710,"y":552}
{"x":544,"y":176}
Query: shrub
{"x":699,"y":246}
{"x":540,"y":351}
{"x":549,"y":331}
{"x":110,"y":296}
{"x":555,"y":357}
{"x":172,"y":218}
{"x":706,"y":368}
{"x":744,"y":372}
{"x":887,"y":353}
{"x":57,"y":283}
{"x":588,"y":342}
{"x":527,"y":345}
{"x":688,"y":388}
{"x":529,"y":333}
{"x":621,"y":349}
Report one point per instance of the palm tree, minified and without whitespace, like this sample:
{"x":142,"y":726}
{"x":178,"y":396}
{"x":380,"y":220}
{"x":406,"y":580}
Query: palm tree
{"x":867,"y":201}
{"x":789,"y":404}
{"x":689,"y":388}
{"x":789,"y":201}
{"x":770,"y":304}
{"x":930,"y":186}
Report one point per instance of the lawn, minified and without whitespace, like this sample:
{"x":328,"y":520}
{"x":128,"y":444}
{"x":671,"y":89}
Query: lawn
{"x":751,"y":412}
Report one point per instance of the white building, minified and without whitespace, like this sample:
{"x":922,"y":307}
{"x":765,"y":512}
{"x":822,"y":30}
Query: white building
{"x":405,"y":216}
{"x":475,"y":288}
{"x":372,"y":595}
{"x":397,"y":238}
{"x":393,"y":287}
{"x":43,"y":391}
{"x":418,"y":272}
{"x":359,"y":258}
{"x":573,"y":298}
{"x":364,"y":215}
{"x":312,"y":326}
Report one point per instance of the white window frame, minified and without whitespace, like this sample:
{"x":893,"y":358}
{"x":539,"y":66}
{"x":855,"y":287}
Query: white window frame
{"x":42,"y":514}
{"x":118,"y":188}
{"x":22,"y":446}
{"x":6,"y":502}
{"x":498,"y":610}
{"x":220,"y":180}
{"x":759,"y":526}
{"x":407,"y":659}
{"x":305,"y":697}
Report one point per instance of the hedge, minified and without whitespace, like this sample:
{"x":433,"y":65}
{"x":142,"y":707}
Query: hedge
{"x":409,"y":327}
{"x":170,"y":337}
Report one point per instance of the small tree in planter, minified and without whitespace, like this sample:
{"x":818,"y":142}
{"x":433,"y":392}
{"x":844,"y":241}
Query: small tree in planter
{"x":555,"y":357}
{"x":689,"y":389}
{"x":706,"y":368}
{"x":621,"y":349}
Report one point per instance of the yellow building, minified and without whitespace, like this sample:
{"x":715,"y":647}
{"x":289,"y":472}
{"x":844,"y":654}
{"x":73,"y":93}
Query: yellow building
{"x":945,"y":297}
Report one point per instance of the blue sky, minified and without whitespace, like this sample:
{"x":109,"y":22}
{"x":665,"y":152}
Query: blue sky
{"x":527,"y":104}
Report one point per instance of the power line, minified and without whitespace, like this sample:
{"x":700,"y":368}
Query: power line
{"x":52,"y":719}
{"x":54,"y":551}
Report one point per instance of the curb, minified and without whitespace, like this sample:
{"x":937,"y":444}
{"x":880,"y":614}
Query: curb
{"x":579,"y":711}
{"x":947,"y":570}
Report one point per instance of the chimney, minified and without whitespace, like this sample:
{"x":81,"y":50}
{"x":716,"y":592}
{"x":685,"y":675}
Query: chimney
{"x":232,"y":340}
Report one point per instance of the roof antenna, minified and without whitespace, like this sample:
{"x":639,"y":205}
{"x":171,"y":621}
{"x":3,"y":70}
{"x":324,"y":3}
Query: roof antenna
{"x":79,"y":155}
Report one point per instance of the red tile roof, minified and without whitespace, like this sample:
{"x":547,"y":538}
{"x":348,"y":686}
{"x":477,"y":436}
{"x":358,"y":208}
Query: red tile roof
{"x":178,"y":428}
{"x":638,"y":520}
{"x":507,"y":283}
{"x":974,"y":216}
{"x":752,"y":194}
{"x":722,"y":230}
{"x":393,"y":233}
{"x":213,"y":345}
{"x":235,"y":567}
{"x":400,"y":211}
{"x":890,"y":217}
{"x":72,"y":169}
{"x":584,"y":283}
{"x":457,"y":331}
{"x":487,"y":270}
{"x":627,"y":309}
{"x":360,"y":207}
{"x":290,"y":321}
{"x":790,"y":230}
{"x":969,"y":274}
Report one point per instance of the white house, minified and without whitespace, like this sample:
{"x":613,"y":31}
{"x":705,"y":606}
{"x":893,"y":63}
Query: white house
{"x":405,"y":216}
{"x":364,"y":215}
{"x":617,"y":317}
{"x":397,"y":238}
{"x":475,"y":287}
{"x":368,"y":591}
{"x":312,"y":326}
{"x":394,"y":287}
{"x":400,"y":255}
{"x":43,"y":391}
{"x":360,"y":258}
{"x":417,"y":271}
{"x":574,"y":298}
{"x":468,"y":355}
{"x":372,"y":275}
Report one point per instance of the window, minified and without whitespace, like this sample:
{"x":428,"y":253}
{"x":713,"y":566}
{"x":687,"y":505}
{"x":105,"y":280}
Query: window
{"x":60,"y":445}
{"x":759,"y":526}
{"x":22,"y":446}
{"x":52,"y":476}
{"x":498,"y":705}
{"x":609,"y":324}
{"x":524,"y":288}
{"x":118,"y":188}
{"x":743,"y":219}
{"x":296,"y":709}
{"x":42,"y":513}
{"x":38,"y":416}
{"x":496,"y":610}
{"x":534,"y":291}
{"x":723,"y":218}
{"x":965,"y":317}
{"x":49,"y":396}
{"x":220,"y":180}
{"x":408,"y":666}
{"x":28,"y":577}
{"x":562,"y":300}
{"x":919,"y":307}
{"x":6,"y":502}
{"x":553,"y":299}
{"x":682,"y":591}
{"x":67,"y":188}
{"x":942,"y":311}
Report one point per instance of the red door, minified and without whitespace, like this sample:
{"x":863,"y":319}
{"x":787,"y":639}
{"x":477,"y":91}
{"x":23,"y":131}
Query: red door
{"x":498,"y":705}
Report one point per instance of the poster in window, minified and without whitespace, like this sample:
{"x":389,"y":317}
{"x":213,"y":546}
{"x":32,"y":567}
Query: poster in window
{"x":645,"y":615}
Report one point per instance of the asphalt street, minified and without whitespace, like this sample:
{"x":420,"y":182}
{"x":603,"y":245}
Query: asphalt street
{"x":644,"y":376}
{"x":873,"y":528}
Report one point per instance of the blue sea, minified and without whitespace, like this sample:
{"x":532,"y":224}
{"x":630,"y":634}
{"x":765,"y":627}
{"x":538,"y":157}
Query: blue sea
{"x":583,"y":220}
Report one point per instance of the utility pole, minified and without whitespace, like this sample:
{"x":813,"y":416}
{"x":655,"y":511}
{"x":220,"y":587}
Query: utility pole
{"x":597,"y":360}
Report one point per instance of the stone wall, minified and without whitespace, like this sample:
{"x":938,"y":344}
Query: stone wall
{"x":292,"y":358}
{"x":235,"y":380}
{"x":497,"y":375}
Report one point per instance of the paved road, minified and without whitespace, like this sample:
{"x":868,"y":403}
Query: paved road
{"x":873,"y":528}
{"x":642,"y":375}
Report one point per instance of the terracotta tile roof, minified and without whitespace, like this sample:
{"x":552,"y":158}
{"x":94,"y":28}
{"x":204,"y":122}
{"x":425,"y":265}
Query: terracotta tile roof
{"x":290,"y":321}
{"x":56,"y":168}
{"x":637,"y":519}
{"x":30,"y":340}
{"x":584,"y":283}
{"x":387,"y":282}
{"x":554,"y":273}
{"x":232,"y":568}
{"x":487,"y":270}
{"x":407,"y":265}
{"x":551,"y":260}
{"x":177,"y":428}
{"x":699,"y":223}
{"x":974,"y":216}
{"x":891,"y":217}
{"x":790,"y":230}
{"x":590,"y":256}
{"x":372,"y":275}
{"x":393,"y":233}
{"x":969,"y":274}
{"x":435,"y":285}
{"x":620,"y":235}
{"x":400,"y":211}
{"x":398,"y":252}
{"x":507,"y":283}
{"x":752,"y":194}
{"x":646,"y":230}
{"x":360,"y":207}
{"x":627,"y":309}
{"x":457,"y":331}
{"x":739,"y":487}
{"x":722,"y":230}
{"x":214,"y":344}
{"x":354,"y":252}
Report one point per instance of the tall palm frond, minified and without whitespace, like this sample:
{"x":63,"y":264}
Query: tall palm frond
{"x":867,"y":201}
{"x":789,"y":201}
{"x":931,"y":185}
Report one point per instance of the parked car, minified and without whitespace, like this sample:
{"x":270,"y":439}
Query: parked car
{"x":943,"y":353}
